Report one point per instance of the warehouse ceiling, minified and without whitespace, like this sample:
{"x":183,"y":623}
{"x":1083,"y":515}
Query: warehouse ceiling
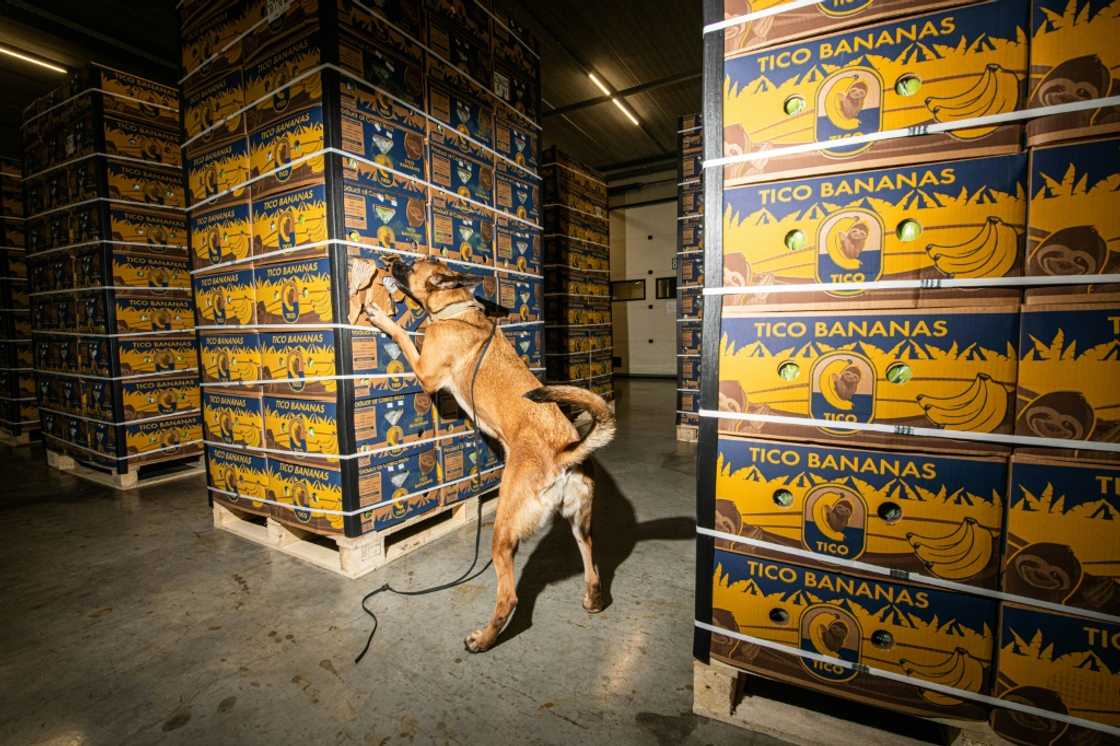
{"x":650,"y":51}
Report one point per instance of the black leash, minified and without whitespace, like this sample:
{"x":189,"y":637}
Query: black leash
{"x":466,"y":576}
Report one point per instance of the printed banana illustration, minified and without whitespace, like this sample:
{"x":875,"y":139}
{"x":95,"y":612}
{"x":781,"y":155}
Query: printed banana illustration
{"x":827,"y":634}
{"x":980,"y":408}
{"x":996,"y":92}
{"x":960,"y":671}
{"x":962,"y":554}
{"x":830,"y":377}
{"x":990,"y":252}
{"x":834,"y":104}
{"x":826,"y":520}
{"x":835,"y":245}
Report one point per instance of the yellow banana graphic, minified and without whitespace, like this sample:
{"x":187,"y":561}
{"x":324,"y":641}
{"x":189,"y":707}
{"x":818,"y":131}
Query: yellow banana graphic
{"x":822,"y":637}
{"x":943,"y":554}
{"x":834,"y":104}
{"x":821,"y":510}
{"x":979,"y":408}
{"x":962,"y":554}
{"x":959,"y":534}
{"x":950,"y":667}
{"x":972,"y":563}
{"x":827,"y":381}
{"x":990,"y":252}
{"x":960,"y":671}
{"x":996,"y":92}
{"x":834,"y":245}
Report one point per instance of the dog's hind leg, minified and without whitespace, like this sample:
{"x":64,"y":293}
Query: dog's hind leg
{"x":503,"y":548}
{"x":578,"y":497}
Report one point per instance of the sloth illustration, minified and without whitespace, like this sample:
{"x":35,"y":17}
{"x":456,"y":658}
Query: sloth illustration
{"x":153,"y":194}
{"x":427,"y":461}
{"x":163,"y":320}
{"x":732,"y":398}
{"x":834,"y":636}
{"x":296,"y":366}
{"x":728,"y":519}
{"x":225,"y":427}
{"x":839,"y":515}
{"x":283,"y":153}
{"x":161,"y":278}
{"x":415,"y":212}
{"x":232,"y":482}
{"x":854,"y":239}
{"x":851,"y":102}
{"x":158,"y":236}
{"x":413,"y":146}
{"x":1044,"y":570}
{"x":1026,"y":728}
{"x":288,"y":227}
{"x":214,"y":245}
{"x":1059,"y":414}
{"x":298,"y":433}
{"x":722,"y":645}
{"x":1078,"y":250}
{"x":846,"y":382}
{"x":737,"y":37}
{"x":210,"y":182}
{"x":736,"y":271}
{"x":223,"y":366}
{"x":220,"y":307}
{"x":1079,"y":79}
{"x":736,"y":141}
{"x":151,"y":150}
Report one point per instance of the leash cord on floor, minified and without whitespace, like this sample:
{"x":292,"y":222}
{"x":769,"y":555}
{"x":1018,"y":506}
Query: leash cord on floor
{"x":466,"y":577}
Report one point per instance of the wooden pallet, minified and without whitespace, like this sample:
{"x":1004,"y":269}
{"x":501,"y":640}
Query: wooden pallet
{"x":796,"y":715}
{"x":353,"y":557}
{"x":688,"y":433}
{"x":15,"y":441}
{"x":137,"y":475}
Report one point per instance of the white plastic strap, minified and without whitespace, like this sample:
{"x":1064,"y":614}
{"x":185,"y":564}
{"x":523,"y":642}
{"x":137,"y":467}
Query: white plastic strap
{"x":581,"y":240}
{"x":145,"y":454}
{"x":111,"y":156}
{"x":143,"y":205}
{"x":332,"y":456}
{"x":575,"y":209}
{"x":158,"y":247}
{"x":309,"y":379}
{"x":113,"y":288}
{"x":236,"y":40}
{"x":918,"y":432}
{"x":990,"y":120}
{"x":184,"y":413}
{"x":908,"y":680}
{"x":931,"y":283}
{"x":905,"y":576}
{"x":758,"y":15}
{"x":102,"y":91}
{"x":574,"y":170}
{"x":520,"y":324}
{"x":234,"y":328}
{"x":690,"y":216}
{"x":124,"y":335}
{"x":21,"y":423}
{"x":160,"y":374}
{"x":17,"y":398}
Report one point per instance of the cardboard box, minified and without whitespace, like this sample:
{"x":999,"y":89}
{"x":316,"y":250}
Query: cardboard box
{"x":459,"y":32}
{"x":1061,"y":544}
{"x":690,"y":270}
{"x":1060,"y":663}
{"x":135,"y":311}
{"x":295,"y":293}
{"x":926,"y":634}
{"x":1074,"y":56}
{"x":226,"y":297}
{"x":690,"y":234}
{"x":214,"y":102}
{"x":385,"y":210}
{"x":290,"y":90}
{"x":461,"y":230}
{"x":139,"y":398}
{"x":529,"y":345}
{"x":233,"y":416}
{"x":276,"y":56}
{"x":688,"y":401}
{"x":516,"y":140}
{"x":517,"y":246}
{"x":690,"y":303}
{"x":688,"y":373}
{"x":517,"y":193}
{"x":688,"y":337}
{"x":152,"y":227}
{"x":577,"y":224}
{"x":1073,"y":218}
{"x":221,"y":233}
{"x":131,"y":139}
{"x":150,"y":185}
{"x":953,"y":369}
{"x":209,"y":28}
{"x":782,"y":97}
{"x":140,"y":270}
{"x":294,"y":218}
{"x":280,"y":153}
{"x":813,"y":20}
{"x":294,"y":360}
{"x":366,"y":273}
{"x":940,"y":516}
{"x":460,"y":104}
{"x":215,"y":168}
{"x":229,"y":356}
{"x":461,"y":167}
{"x":951,"y":219}
{"x":375,"y":126}
{"x":387,"y":59}
{"x":243,"y":474}
{"x":1068,"y":371}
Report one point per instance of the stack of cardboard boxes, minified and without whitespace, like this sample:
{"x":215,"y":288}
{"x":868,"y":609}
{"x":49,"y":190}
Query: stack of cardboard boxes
{"x":324,"y":139}
{"x":690,"y":273}
{"x":577,"y":263}
{"x":19,"y":417}
{"x":995,"y":360}
{"x":114,"y":351}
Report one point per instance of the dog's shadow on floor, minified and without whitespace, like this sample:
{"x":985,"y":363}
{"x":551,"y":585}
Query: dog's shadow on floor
{"x":615,"y":532}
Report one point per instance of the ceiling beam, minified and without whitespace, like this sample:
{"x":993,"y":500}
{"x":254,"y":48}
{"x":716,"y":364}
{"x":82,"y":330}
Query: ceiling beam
{"x":652,"y":85}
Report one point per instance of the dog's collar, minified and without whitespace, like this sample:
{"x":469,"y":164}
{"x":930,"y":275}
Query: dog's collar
{"x":458,"y":308}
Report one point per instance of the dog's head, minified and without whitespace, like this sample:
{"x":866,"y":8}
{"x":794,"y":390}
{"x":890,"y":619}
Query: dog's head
{"x":434,"y":285}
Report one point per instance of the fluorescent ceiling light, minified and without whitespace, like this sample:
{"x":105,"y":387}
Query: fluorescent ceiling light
{"x":594,"y":79}
{"x":624,"y":110}
{"x":32,"y":60}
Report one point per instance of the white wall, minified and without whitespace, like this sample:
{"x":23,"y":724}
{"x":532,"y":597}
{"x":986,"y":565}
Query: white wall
{"x":643,"y":244}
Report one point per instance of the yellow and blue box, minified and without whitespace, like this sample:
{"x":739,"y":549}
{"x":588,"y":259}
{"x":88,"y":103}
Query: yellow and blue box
{"x":131,"y":356}
{"x":304,"y":362}
{"x":233,"y":416}
{"x":945,"y":220}
{"x":459,"y":166}
{"x":523,"y":295}
{"x":147,"y":311}
{"x":130,"y":224}
{"x":295,"y":292}
{"x":287,"y":153}
{"x":152,"y":185}
{"x":459,"y":104}
{"x":366,"y":274}
{"x":461,"y":230}
{"x":294,"y":218}
{"x":689,"y":337}
{"x":396,"y":475}
{"x":913,"y":631}
{"x":378,"y":128}
{"x":449,"y":416}
{"x":528,"y":343}
{"x":516,"y":192}
{"x":516,"y":140}
{"x":218,"y":167}
{"x":517,"y":246}
{"x":1068,"y":369}
{"x":279,"y":51}
{"x":241,"y":477}
{"x":383,"y":209}
{"x":952,"y":369}
{"x":158,"y":440}
{"x":690,"y":270}
{"x":221,"y":233}
{"x":935,"y":515}
{"x":228,"y":357}
{"x":387,"y":59}
{"x":141,"y":141}
{"x":226,"y":297}
{"x":139,"y":398}
{"x":288,"y":86}
{"x":139,"y":270}
{"x":461,"y":34}
{"x":214,"y":102}
{"x":210,"y":27}
{"x":942,"y":67}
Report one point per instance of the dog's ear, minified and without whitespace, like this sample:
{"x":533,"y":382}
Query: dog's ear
{"x":492,"y":309}
{"x":449,"y":280}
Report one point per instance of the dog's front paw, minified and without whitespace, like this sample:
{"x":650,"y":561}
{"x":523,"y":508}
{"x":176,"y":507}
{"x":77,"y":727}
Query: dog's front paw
{"x":378,"y":317}
{"x":593,"y":601}
{"x":476,"y":642}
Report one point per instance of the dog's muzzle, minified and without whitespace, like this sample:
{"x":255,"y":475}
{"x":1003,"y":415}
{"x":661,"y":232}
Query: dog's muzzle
{"x":399,"y":271}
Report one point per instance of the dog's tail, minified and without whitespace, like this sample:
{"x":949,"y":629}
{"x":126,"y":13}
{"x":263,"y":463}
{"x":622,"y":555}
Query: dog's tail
{"x":601,"y":432}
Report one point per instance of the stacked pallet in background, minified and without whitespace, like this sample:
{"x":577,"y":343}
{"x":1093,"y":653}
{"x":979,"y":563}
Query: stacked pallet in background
{"x":882,"y":549}
{"x":690,"y":273}
{"x":324,"y":141}
{"x":111,"y":312}
{"x":578,"y":334}
{"x":19,"y":417}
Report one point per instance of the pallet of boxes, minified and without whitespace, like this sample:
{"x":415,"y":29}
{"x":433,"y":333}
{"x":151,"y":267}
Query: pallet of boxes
{"x":111,"y":317}
{"x":578,"y":332}
{"x":690,"y":273}
{"x":19,"y":416}
{"x":323,"y":142}
{"x":907,"y":491}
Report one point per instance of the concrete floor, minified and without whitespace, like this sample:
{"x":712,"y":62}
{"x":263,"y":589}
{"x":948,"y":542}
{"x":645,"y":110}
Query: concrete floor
{"x":126,"y":618}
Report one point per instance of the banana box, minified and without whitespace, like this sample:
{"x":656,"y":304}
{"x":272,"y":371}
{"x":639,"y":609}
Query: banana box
{"x":460,"y":230}
{"x":516,"y":192}
{"x":517,"y":246}
{"x":232,"y":356}
{"x":287,"y":95}
{"x":688,"y":401}
{"x":297,"y":362}
{"x":406,"y":15}
{"x":138,"y":355}
{"x":145,"y":311}
{"x":214,"y":102}
{"x":568,"y":183}
{"x":384,"y":208}
{"x":812,"y":20}
{"x":1068,"y":369}
{"x":53,"y":272}
{"x":233,"y":417}
{"x":602,"y":364}
{"x":1060,"y":663}
{"x":174,"y":437}
{"x":690,"y":234}
{"x":459,"y":166}
{"x":522,"y":295}
{"x":17,"y":353}
{"x":951,"y":219}
{"x":221,"y":234}
{"x":528,"y":343}
{"x":226,"y":297}
{"x":367,"y":272}
{"x":942,"y":67}
{"x":15,"y":386}
{"x":61,"y":393}
{"x":149,"y":185}
{"x":922,"y":633}
{"x":688,"y":373}
{"x":397,"y":475}
{"x":953,"y":369}
{"x":218,"y":168}
{"x":50,"y":353}
{"x":13,"y":295}
{"x":690,"y":201}
{"x":567,"y":281}
{"x":447,"y":415}
{"x":458,"y":458}
{"x":295,"y":218}
{"x":515,"y":140}
{"x":461,"y":34}
{"x":129,"y":224}
{"x":458,"y":103}
{"x":295,"y":293}
{"x":131,"y":139}
{"x":210,"y":27}
{"x":688,"y":337}
{"x":383,"y":56}
{"x":280,"y":154}
{"x":566,"y":341}
{"x":144,"y":397}
{"x":242,"y":477}
{"x":302,"y":425}
{"x":276,"y":53}
{"x":124,"y":85}
{"x":690,"y":303}
{"x":577,"y":224}
{"x":1074,"y":58}
{"x":939,"y":516}
{"x":568,"y":369}
{"x":393,"y":421}
{"x":19,"y":325}
{"x":1074,"y":226}
{"x":604,"y":387}
{"x":139,"y":270}
{"x":690,"y":270}
{"x":377,"y":127}
{"x":1061,"y":537}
